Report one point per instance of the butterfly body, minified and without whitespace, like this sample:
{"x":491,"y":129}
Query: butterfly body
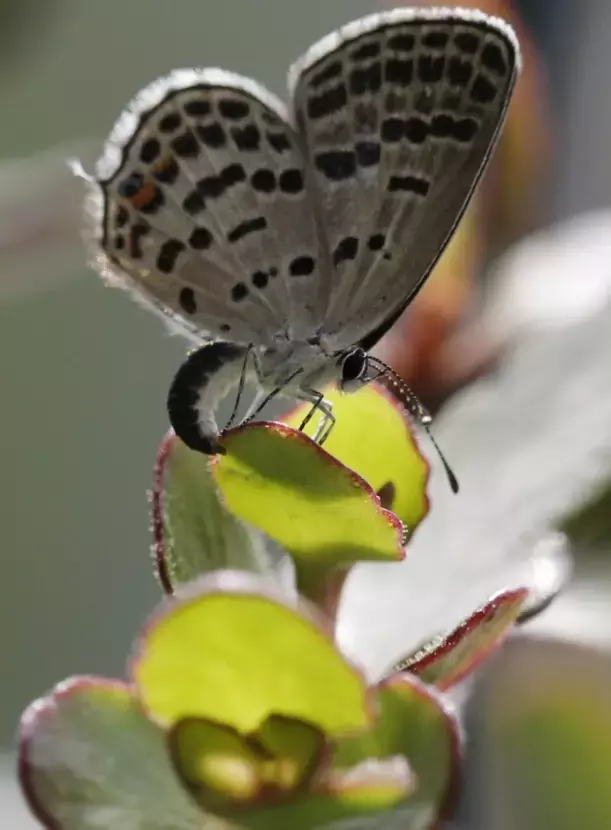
{"x":298,"y":235}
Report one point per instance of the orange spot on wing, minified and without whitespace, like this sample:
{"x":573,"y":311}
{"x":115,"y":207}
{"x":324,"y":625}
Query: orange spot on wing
{"x":144,"y":196}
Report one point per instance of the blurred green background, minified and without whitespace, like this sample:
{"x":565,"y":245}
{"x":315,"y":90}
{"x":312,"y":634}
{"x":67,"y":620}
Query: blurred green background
{"x":84,"y":370}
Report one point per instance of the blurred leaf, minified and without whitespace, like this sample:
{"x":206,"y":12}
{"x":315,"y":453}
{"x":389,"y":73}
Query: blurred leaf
{"x":374,"y":796}
{"x":321,"y":512}
{"x":589,"y":526}
{"x":448,"y":659}
{"x":540,"y":723}
{"x":413,"y":722}
{"x":215,"y":764}
{"x":194,"y":533}
{"x":530,"y":445}
{"x":225,"y":770}
{"x":372,"y":436}
{"x":293,"y":741}
{"x":233,"y":650}
{"x":90,"y":759}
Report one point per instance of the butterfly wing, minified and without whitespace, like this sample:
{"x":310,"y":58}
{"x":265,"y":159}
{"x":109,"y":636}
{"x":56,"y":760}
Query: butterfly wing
{"x":200,"y":207}
{"x":398,"y":113}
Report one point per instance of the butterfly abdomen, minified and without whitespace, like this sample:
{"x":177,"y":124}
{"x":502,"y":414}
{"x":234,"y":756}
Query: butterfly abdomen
{"x":202,"y":380}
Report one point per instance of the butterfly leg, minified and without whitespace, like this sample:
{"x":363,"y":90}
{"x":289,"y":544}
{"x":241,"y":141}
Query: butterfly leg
{"x":241,"y":383}
{"x":327,"y":422}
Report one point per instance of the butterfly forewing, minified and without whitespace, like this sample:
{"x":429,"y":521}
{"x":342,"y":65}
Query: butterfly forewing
{"x":398,"y":113}
{"x":205,"y":207}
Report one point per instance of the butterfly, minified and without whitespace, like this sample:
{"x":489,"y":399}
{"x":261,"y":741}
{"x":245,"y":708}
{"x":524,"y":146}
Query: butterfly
{"x":287,"y":241}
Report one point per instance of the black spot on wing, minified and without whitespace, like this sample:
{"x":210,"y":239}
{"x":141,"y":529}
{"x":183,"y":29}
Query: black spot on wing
{"x":136,"y":234}
{"x":366,"y":52}
{"x":263,"y":180}
{"x":328,"y":102}
{"x":201,"y":239}
{"x":186,"y":300}
{"x":185,"y":145}
{"x":301,"y":266}
{"x":291,"y":182}
{"x":408,"y":184}
{"x":170,"y":123}
{"x":246,"y":139}
{"x":459,"y":71}
{"x":193,"y":203}
{"x":248,"y":226}
{"x":467,"y":42}
{"x":232,"y":109}
{"x":346,"y":250}
{"x":465,"y":130}
{"x":212,"y":187}
{"x":239,"y":292}
{"x":198,"y":107}
{"x":336,"y":165}
{"x":494,"y":60}
{"x":324,"y":76}
{"x":278,"y":142}
{"x":399,"y":71}
{"x":211,"y":135}
{"x":431,"y":68}
{"x":436,"y":39}
{"x":416,"y":130}
{"x":150,"y":150}
{"x":483,"y":91}
{"x":402,"y":42}
{"x":260,"y":279}
{"x":392,"y":130}
{"x":168,"y":254}
{"x":121,"y":217}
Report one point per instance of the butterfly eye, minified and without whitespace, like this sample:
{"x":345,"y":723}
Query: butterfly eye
{"x":354,"y":368}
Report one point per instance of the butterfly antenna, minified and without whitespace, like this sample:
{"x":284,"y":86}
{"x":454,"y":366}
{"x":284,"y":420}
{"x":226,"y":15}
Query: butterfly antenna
{"x":415,"y":409}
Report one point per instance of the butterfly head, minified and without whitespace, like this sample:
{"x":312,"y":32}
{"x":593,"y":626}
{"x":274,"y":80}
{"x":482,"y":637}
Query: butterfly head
{"x":353,"y":366}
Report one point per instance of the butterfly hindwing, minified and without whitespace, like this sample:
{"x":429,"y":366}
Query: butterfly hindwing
{"x":204,"y":206}
{"x":398,"y":113}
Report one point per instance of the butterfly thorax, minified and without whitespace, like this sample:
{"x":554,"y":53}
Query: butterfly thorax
{"x":305,"y":364}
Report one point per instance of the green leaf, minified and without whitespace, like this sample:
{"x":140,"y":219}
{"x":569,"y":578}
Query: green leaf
{"x":215,"y":764}
{"x":233,"y":650}
{"x":321,"y":512}
{"x":225,"y":770}
{"x":91,"y":760}
{"x":194,"y":533}
{"x":447,"y":659}
{"x":296,"y":748}
{"x":372,"y":436}
{"x":373,"y":795}
{"x":413,"y":723}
